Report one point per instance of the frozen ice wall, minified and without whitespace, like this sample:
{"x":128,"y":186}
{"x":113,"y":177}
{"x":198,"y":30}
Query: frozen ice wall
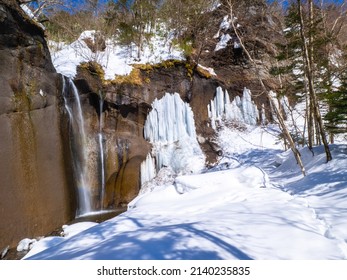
{"x":170,"y":120}
{"x":240,"y":109}
{"x":170,"y":127}
{"x":148,"y":171}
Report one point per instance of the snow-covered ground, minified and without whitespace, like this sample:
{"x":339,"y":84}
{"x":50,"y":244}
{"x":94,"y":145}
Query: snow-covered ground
{"x":254,"y":205}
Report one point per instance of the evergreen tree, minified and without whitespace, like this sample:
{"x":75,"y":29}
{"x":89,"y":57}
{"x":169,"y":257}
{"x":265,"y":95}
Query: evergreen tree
{"x":336,"y":118}
{"x":306,"y":55}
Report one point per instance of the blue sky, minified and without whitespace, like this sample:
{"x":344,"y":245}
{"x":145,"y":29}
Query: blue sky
{"x":78,"y":2}
{"x":325,"y":1}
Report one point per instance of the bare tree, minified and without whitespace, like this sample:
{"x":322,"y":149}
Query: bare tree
{"x":38,"y":7}
{"x":307,"y":47}
{"x":189,"y":23}
{"x":285,"y":131}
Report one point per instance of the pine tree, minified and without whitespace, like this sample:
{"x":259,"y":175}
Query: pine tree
{"x":306,"y":57}
{"x":336,"y":118}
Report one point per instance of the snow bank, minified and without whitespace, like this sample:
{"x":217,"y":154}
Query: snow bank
{"x":324,"y":189}
{"x":222,"y":215}
{"x":48,"y":242}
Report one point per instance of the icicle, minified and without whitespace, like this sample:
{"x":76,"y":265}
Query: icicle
{"x":170,"y":127}
{"x":148,"y":171}
{"x":263,"y":116}
{"x":243,"y":110}
{"x":169,"y":120}
{"x":249,"y":109}
{"x":219,"y":103}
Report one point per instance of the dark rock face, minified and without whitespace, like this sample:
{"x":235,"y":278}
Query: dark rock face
{"x":34,"y":165}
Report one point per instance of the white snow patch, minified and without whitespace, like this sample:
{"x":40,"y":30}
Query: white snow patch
{"x":223,"y":42}
{"x":115,"y":59}
{"x":25,"y":244}
{"x":225,"y":24}
{"x":208,"y":69}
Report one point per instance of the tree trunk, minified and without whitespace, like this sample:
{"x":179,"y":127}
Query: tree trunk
{"x":283,"y":126}
{"x":310,"y":122}
{"x":309,"y":74}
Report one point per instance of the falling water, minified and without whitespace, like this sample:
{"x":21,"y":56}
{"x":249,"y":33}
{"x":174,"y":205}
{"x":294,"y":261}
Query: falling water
{"x":78,"y":146}
{"x":101,"y":149}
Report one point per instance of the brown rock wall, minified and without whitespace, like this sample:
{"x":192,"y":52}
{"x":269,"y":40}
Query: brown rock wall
{"x":35,"y":189}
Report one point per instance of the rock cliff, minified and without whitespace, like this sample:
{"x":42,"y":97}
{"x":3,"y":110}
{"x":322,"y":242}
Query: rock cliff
{"x":35,"y":181}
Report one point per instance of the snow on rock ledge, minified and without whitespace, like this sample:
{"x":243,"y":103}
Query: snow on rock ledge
{"x":240,"y":109}
{"x":170,"y":127}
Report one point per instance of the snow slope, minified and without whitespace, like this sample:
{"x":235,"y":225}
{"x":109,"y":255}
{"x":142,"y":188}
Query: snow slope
{"x":115,"y":59}
{"x":253,"y":205}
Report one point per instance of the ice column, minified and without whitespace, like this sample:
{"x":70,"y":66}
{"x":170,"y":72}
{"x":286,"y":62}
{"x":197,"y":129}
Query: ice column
{"x":240,"y":109}
{"x":148,"y":171}
{"x":170,"y":127}
{"x":170,"y":120}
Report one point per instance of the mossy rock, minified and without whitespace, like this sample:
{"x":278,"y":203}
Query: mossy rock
{"x":94,"y":69}
{"x":134,"y":78}
{"x":203,"y":72}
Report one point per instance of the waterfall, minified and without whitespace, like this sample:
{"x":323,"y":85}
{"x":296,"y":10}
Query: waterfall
{"x":78,"y":146}
{"x":101,"y":150}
